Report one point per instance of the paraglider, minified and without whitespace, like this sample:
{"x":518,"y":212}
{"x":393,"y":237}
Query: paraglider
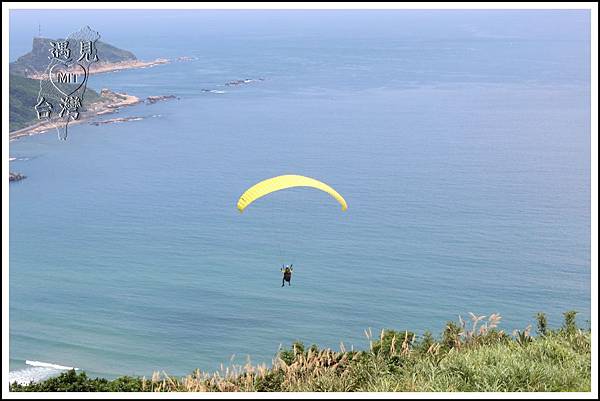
{"x":279,"y":183}
{"x":283,"y":182}
{"x":287,"y":274}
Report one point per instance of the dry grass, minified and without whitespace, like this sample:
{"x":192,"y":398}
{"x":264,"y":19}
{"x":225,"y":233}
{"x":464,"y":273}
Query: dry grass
{"x":472,"y":356}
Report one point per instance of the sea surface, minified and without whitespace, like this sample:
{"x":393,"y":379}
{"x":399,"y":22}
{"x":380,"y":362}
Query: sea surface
{"x":465,"y":162}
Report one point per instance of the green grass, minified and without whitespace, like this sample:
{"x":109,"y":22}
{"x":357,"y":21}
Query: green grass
{"x":473,"y":356}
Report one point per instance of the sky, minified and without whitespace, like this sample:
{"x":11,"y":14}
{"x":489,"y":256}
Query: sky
{"x":123,"y":27}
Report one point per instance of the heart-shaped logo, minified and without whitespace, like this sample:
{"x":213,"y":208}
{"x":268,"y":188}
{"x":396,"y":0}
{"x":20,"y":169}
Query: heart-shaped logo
{"x":68,"y":80}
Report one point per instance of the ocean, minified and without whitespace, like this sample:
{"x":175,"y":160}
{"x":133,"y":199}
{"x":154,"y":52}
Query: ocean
{"x":465,"y":162}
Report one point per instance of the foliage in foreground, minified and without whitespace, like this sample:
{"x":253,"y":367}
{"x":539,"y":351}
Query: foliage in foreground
{"x":473,"y":356}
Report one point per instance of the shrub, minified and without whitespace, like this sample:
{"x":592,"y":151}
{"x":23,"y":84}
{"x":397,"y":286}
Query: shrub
{"x":451,"y":336}
{"x":570,"y":325}
{"x":542,"y":323}
{"x":73,"y":381}
{"x":289,"y":355}
{"x":392,"y":342}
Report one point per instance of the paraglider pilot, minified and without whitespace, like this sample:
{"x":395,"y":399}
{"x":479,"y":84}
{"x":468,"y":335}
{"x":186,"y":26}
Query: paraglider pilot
{"x":287,"y":274}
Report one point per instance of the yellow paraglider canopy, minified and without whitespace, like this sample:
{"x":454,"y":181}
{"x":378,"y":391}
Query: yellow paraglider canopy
{"x":282,"y":182}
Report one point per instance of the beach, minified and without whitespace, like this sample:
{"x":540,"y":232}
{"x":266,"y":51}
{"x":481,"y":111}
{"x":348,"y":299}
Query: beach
{"x":104,"y":67}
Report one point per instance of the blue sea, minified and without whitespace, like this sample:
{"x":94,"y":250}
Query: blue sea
{"x":463,"y":154}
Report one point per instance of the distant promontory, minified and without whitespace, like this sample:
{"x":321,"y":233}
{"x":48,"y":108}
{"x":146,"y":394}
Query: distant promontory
{"x":34,"y":64}
{"x":27,"y":71}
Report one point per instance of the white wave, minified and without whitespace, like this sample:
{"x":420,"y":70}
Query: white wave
{"x":38,"y":372}
{"x":11,"y":159}
{"x":26,"y":376}
{"x":49,"y":365}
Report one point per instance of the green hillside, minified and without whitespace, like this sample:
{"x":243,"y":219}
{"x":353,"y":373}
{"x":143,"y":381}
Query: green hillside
{"x":37,"y":60}
{"x":23,"y":94}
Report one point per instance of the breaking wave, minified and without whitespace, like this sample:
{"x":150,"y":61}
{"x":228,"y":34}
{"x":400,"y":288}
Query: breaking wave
{"x":37,"y":372}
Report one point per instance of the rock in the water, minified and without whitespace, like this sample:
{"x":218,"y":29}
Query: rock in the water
{"x":154,"y":99}
{"x":15,"y":176}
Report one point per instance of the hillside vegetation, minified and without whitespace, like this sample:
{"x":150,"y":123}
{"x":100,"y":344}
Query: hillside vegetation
{"x":36,"y":61}
{"x":24,"y":91}
{"x":473,"y":356}
{"x":23,"y":95}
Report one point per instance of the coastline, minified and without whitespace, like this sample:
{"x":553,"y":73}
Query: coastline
{"x":104,"y":67}
{"x":110,"y":103}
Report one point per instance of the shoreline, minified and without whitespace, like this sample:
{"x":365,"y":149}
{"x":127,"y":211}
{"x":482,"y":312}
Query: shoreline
{"x":104,"y":67}
{"x":110,"y":103}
